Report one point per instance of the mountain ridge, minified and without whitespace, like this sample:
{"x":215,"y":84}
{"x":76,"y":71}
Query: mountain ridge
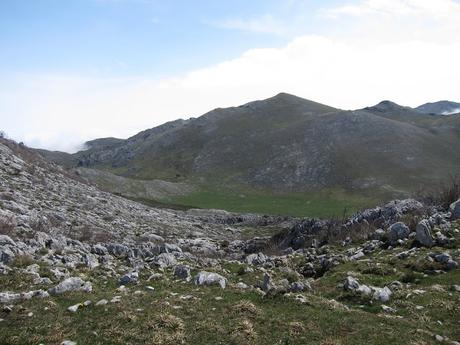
{"x":287,"y":144}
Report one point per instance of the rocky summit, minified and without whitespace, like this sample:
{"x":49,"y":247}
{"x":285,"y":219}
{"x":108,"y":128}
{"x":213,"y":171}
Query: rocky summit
{"x":82,"y":266}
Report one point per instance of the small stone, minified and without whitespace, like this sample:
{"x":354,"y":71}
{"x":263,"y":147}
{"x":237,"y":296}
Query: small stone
{"x":439,"y":338}
{"x":241,"y":285}
{"x":129,"y":278}
{"x":182,"y":272}
{"x":87,"y":303}
{"x":68,"y":342}
{"x":388,"y":309}
{"x":74,"y":308}
{"x":155,"y":276}
{"x":102,"y":302}
{"x":116,"y":299}
{"x":150,"y":288}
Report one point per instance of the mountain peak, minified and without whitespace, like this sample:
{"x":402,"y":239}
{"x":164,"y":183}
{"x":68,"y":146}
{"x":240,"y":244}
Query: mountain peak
{"x":387,"y":105}
{"x":439,"y":108}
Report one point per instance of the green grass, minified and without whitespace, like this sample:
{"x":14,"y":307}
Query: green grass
{"x":201,"y":320}
{"x":326,"y":203}
{"x":244,"y":316}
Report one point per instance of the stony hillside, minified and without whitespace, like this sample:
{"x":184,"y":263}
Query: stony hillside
{"x":81,"y":266}
{"x":287,"y":144}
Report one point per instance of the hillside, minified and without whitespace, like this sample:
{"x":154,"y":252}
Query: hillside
{"x":440,"y":108}
{"x":77,"y":263}
{"x":288,"y":147}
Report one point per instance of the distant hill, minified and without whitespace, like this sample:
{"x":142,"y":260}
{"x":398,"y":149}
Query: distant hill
{"x":440,"y":108}
{"x":286,"y":144}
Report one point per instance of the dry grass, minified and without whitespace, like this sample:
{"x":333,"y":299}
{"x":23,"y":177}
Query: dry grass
{"x":245,"y":307}
{"x":296,"y":328}
{"x":330,"y":341}
{"x":444,"y":195}
{"x":167,"y":329}
{"x":244,"y":333}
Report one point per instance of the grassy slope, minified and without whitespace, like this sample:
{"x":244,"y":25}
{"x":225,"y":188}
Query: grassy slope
{"x":325,"y":203}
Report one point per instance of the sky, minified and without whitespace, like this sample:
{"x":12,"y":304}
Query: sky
{"x":75,"y":70}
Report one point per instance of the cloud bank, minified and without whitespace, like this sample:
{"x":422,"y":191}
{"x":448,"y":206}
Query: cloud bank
{"x":403,"y":50}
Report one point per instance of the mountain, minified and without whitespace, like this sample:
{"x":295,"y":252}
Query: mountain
{"x":77,"y":263}
{"x":440,"y":108}
{"x":287,"y":145}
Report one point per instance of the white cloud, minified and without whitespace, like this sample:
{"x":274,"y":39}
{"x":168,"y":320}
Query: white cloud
{"x":451,"y":112}
{"x":261,"y":24}
{"x":439,"y":9}
{"x":410,"y":62}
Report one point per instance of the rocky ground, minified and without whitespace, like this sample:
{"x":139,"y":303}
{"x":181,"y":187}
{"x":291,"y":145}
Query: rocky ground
{"x":78,"y":265}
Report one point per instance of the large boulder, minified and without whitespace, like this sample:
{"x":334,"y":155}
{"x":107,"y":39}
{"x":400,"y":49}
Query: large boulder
{"x":398,"y":231}
{"x":71,"y":284}
{"x":210,"y":278}
{"x":382,"y":295}
{"x":182,"y":272}
{"x":423,"y":233}
{"x":455,"y":210}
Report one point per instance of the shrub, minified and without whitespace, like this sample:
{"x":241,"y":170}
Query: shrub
{"x":7,"y":225}
{"x":443,"y":195}
{"x":22,"y":261}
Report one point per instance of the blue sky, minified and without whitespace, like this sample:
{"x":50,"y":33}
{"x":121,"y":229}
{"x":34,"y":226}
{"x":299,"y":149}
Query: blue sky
{"x":134,"y":37}
{"x":75,"y":70}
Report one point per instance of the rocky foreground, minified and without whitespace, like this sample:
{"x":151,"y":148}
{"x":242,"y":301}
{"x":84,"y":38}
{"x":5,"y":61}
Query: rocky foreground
{"x":80,"y":266}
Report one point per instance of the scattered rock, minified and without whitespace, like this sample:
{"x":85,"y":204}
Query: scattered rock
{"x":101,"y":302}
{"x":388,"y":309}
{"x":398,"y":231}
{"x":74,"y":308}
{"x":182,"y":272}
{"x":71,"y":284}
{"x":210,"y":278}
{"x":383,"y":295}
{"x":455,"y":210}
{"x":423,"y":233}
{"x":129,"y":278}
{"x":256,"y":259}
